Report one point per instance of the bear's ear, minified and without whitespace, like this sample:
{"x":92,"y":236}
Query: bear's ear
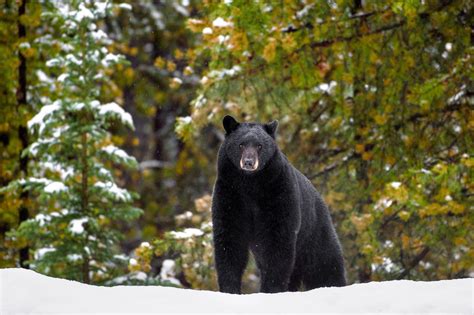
{"x":271,"y":128}
{"x":230,"y":124}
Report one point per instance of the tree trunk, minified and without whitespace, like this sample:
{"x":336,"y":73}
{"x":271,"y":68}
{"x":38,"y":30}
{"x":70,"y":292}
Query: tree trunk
{"x":85,"y":202}
{"x":23,"y":214}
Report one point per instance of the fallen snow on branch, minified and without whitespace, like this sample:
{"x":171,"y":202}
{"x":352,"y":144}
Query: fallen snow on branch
{"x":187,"y":233}
{"x":27,"y":292}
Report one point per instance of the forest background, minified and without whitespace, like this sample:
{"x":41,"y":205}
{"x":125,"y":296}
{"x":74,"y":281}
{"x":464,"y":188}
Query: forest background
{"x":374,"y":100}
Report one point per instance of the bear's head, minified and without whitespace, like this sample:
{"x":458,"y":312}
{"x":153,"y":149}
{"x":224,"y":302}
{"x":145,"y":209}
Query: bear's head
{"x":249,"y":145}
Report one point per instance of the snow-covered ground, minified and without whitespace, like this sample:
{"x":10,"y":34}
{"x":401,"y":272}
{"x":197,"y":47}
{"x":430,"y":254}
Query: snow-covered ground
{"x":27,"y":292}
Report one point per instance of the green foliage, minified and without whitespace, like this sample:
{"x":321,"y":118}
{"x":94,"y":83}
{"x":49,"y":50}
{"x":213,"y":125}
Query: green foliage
{"x":370,"y":96}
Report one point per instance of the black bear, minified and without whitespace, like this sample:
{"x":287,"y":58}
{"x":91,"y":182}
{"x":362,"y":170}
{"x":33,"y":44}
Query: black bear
{"x":263,"y":204}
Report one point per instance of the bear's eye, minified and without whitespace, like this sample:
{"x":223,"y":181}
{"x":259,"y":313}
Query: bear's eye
{"x":259,"y":146}
{"x":241,"y":146}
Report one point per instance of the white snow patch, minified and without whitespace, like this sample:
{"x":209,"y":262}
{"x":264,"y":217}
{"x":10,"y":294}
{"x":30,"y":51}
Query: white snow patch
{"x":425,"y":171}
{"x":113,"y":150}
{"x":110,"y":59}
{"x":458,"y":95}
{"x":100,"y":7}
{"x":64,"y":172}
{"x":55,"y":187}
{"x":387,"y":265}
{"x":78,"y":106}
{"x":83,"y":13}
{"x":178,"y":81}
{"x":66,"y":47}
{"x":53,"y":62}
{"x":39,"y":254}
{"x":267,"y":8}
{"x":325,"y":87}
{"x":99,"y":35}
{"x":63,"y":77}
{"x":55,"y":214}
{"x":57,"y":296}
{"x":145,"y":244}
{"x":140,"y":275}
{"x":105,"y":173}
{"x":396,"y":185}
{"x":43,"y":77}
{"x":24,"y":45}
{"x":187,"y":233}
{"x":184,"y":216}
{"x":180,"y":9}
{"x":220,"y":22}
{"x":119,"y":194}
{"x":186,"y":119}
{"x":223,"y":38}
{"x":74,"y":257}
{"x":34,"y":180}
{"x":114,"y":109}
{"x":125,"y":6}
{"x":204,"y":80}
{"x":42,"y":219}
{"x":383,"y":203}
{"x":121,"y":257}
{"x":167,"y":272}
{"x":221,"y":74}
{"x":73,"y":59}
{"x":200,"y":100}
{"x":303,"y":12}
{"x":76,"y":226}
{"x":167,"y":268}
{"x":43,"y":115}
{"x":207,"y":31}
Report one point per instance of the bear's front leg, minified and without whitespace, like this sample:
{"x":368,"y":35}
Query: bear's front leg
{"x":277,"y":262}
{"x":278,"y":224}
{"x":230,"y":239}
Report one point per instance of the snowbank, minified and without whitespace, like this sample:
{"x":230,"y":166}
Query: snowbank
{"x":24,"y":291}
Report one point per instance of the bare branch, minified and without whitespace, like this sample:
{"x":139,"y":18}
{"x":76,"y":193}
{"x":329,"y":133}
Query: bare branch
{"x":340,"y":39}
{"x":414,"y":262}
{"x":333,"y":166}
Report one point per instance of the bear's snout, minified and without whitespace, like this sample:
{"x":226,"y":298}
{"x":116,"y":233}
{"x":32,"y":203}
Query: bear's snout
{"x":249,"y":160}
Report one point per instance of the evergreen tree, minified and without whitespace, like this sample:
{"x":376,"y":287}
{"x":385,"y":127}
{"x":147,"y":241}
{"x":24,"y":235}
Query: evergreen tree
{"x":75,"y":234}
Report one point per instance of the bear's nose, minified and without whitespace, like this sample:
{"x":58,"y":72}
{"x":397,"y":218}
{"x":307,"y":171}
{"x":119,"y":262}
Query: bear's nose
{"x":248,"y":163}
{"x":249,"y":159}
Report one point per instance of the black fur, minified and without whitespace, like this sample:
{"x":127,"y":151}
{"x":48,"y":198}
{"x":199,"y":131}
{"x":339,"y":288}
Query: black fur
{"x":273,"y":211}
